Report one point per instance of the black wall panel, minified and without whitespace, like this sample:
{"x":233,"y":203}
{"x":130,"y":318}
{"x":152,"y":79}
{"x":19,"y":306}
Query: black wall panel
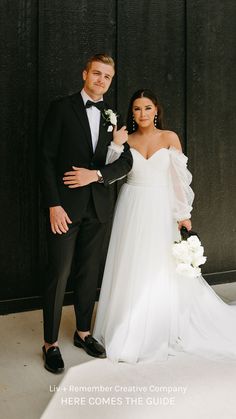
{"x":211,"y":126}
{"x":183,"y":50}
{"x":18,"y":116}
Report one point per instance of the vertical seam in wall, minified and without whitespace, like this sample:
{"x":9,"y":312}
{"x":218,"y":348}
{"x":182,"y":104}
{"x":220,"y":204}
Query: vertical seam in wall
{"x":185,"y":78}
{"x":116,"y":68}
{"x":37,"y":121}
{"x":116,"y":54}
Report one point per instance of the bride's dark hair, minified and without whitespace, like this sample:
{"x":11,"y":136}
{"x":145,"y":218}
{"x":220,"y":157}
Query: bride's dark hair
{"x":131,"y":125}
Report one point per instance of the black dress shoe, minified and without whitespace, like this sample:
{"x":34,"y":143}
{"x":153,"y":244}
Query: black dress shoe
{"x":53,"y":361}
{"x":90,"y":345}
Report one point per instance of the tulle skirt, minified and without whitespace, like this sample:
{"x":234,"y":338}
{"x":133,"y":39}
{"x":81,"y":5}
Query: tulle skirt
{"x":146,"y":310}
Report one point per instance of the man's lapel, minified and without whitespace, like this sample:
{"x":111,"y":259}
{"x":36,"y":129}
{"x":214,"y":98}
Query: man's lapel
{"x":79,"y":108}
{"x":104,"y":137}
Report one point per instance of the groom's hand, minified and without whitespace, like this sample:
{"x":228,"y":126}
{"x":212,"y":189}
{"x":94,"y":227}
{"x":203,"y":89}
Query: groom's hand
{"x":79,"y":177}
{"x":59,"y":220}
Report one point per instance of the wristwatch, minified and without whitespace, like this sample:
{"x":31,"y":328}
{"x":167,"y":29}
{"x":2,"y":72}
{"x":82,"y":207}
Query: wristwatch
{"x":100,"y":178}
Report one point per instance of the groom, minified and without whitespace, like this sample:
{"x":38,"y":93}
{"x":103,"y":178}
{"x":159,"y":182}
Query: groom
{"x":75,"y":187}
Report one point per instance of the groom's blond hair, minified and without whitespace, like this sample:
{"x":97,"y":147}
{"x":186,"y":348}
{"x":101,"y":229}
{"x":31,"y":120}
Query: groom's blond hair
{"x":102,"y":58}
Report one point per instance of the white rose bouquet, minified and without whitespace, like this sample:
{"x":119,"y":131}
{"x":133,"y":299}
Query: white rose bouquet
{"x":189,"y":256}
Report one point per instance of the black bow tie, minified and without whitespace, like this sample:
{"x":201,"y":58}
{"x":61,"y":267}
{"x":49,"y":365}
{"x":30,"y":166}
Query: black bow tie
{"x":99,"y":105}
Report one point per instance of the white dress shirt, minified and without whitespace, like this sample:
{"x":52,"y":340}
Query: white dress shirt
{"x":94,"y":116}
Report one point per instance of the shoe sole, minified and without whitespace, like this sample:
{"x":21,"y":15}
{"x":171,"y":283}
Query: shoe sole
{"x":58,"y":371}
{"x":79,"y":345}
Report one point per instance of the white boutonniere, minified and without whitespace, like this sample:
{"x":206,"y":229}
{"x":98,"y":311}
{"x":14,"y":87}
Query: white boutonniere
{"x":189,"y":256}
{"x":110,"y":117}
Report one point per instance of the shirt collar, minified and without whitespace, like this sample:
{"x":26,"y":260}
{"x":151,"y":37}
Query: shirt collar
{"x":86,"y":97}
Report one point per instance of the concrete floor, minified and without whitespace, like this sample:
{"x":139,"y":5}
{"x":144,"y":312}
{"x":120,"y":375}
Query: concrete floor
{"x":25,"y":386}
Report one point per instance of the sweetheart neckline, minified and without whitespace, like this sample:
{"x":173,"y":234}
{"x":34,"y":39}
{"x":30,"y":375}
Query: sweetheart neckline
{"x":153,"y":154}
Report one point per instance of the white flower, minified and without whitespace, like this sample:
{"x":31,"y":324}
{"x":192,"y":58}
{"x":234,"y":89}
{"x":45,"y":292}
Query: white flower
{"x":110,"y":116}
{"x":181,"y":252}
{"x":189,"y":256}
{"x":187,"y":270}
{"x":197,"y":261}
{"x":194,"y":242}
{"x":110,"y":128}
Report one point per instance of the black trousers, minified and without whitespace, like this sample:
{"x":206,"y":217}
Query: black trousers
{"x":83,"y":242}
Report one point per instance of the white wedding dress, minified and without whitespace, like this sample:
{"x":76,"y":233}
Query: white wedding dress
{"x":146,"y":310}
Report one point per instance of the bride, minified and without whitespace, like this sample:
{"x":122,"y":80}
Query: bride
{"x":147,"y":310}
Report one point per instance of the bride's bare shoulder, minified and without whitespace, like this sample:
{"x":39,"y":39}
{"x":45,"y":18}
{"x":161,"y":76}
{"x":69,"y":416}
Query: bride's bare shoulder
{"x":171,"y":139}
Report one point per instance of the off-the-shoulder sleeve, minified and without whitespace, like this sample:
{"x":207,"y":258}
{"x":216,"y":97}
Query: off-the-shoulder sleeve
{"x":113,"y":153}
{"x":181,"y":179}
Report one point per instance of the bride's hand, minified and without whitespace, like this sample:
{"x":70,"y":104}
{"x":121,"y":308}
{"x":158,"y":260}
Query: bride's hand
{"x":185,"y":223}
{"x":120,"y":136}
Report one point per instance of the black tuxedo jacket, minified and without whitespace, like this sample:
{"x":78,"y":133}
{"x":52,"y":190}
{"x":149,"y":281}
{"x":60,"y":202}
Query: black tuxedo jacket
{"x":65,"y":142}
